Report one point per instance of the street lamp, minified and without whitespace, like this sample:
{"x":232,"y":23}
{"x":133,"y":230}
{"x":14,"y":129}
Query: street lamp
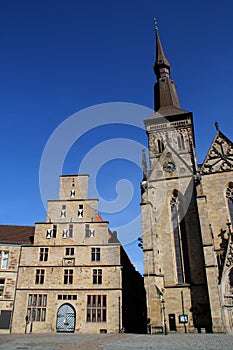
{"x":164,"y":317}
{"x":32,"y":316}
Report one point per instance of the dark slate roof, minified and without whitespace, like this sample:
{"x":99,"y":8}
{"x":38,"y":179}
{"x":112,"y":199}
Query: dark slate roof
{"x":10,"y":234}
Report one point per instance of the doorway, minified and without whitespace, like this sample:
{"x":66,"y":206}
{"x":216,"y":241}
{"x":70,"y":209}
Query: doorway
{"x":172,"y":322}
{"x":66,"y":317}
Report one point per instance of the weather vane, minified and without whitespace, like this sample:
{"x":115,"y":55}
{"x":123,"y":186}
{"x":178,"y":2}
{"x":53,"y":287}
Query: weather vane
{"x":156,"y":24}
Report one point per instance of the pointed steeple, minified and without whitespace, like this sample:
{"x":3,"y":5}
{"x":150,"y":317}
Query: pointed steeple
{"x":165,"y":94}
{"x":161,"y":65}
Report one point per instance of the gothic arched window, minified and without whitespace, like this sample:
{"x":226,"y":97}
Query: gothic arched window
{"x":160,"y":146}
{"x":180,"y":239}
{"x":180,"y":141}
{"x":229,"y":195}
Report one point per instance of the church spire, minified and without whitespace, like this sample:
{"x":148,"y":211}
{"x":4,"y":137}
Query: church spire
{"x":161,"y":65}
{"x":165,"y":94}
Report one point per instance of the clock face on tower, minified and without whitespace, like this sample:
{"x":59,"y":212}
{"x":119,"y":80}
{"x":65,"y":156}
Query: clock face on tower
{"x":169,"y":166}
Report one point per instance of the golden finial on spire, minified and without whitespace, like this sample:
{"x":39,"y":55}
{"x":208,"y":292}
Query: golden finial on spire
{"x":156,"y":24}
{"x":217,"y":126}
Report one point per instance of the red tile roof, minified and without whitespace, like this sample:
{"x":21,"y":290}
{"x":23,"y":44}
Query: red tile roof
{"x":10,"y":234}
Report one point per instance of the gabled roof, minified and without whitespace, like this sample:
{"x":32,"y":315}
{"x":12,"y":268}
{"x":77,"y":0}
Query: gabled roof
{"x":219,"y":157}
{"x":10,"y":234}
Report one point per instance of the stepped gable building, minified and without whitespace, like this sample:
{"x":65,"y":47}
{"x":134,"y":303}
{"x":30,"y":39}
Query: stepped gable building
{"x":69,"y":273}
{"x":187,"y":217}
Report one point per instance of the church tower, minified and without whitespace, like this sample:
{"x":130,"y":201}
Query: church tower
{"x":174,"y":273}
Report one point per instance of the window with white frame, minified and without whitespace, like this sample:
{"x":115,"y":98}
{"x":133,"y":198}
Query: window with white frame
{"x":4,"y":255}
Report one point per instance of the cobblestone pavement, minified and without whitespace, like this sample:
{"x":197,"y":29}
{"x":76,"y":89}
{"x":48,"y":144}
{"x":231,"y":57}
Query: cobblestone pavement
{"x":116,"y":342}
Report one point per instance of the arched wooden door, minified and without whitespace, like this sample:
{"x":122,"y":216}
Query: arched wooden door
{"x":66,"y":317}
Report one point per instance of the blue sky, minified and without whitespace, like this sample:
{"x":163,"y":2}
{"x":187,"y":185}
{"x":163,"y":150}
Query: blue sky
{"x":58,"y":57}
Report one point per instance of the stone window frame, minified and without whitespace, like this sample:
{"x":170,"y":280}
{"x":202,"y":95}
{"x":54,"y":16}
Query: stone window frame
{"x":67,"y":297}
{"x":97,"y":276}
{"x":4,"y":259}
{"x":69,"y":251}
{"x":80,"y":211}
{"x":70,"y":230}
{"x":40,"y":276}
{"x":63,"y":211}
{"x":96,"y":308}
{"x":68,"y":277}
{"x":95,"y":253}
{"x":37,"y":307}
{"x":43,"y":254}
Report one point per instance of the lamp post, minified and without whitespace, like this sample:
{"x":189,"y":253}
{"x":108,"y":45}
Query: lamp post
{"x":32,"y":316}
{"x":164,"y":317}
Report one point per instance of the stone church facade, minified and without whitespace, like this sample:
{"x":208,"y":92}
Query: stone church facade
{"x":187,"y":216}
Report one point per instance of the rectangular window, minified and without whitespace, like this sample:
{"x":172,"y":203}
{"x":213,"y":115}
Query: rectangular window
{"x":2,"y":283}
{"x":63,"y":211}
{"x":68,"y":276}
{"x":69,"y":251}
{"x":97,"y":276}
{"x":70,"y":231}
{"x":44,"y":254}
{"x":4,"y":255}
{"x":80,"y":211}
{"x":89,"y":232}
{"x":49,"y":233}
{"x":54,"y":231}
{"x":40,"y":273}
{"x":37,"y":304}
{"x":96,"y":308}
{"x":95,"y":254}
{"x":72,"y":194}
{"x":66,"y":297}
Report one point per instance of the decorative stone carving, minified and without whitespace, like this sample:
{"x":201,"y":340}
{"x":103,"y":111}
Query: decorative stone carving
{"x":220,"y":156}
